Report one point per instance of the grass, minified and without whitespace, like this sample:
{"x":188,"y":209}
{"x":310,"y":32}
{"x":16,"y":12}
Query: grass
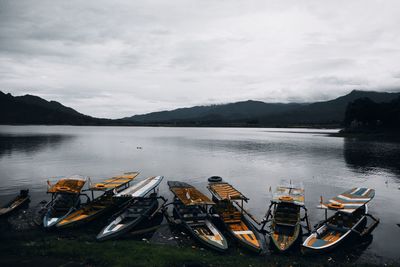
{"x":121,"y":253}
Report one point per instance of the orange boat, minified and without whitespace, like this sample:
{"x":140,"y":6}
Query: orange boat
{"x":100,"y":205}
{"x":233,"y":216}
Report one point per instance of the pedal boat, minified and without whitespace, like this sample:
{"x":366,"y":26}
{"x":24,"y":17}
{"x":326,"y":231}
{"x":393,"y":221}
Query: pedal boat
{"x":349,"y":220}
{"x":100,"y":205}
{"x":191,"y":209}
{"x":230,"y":211}
{"x":141,"y":208}
{"x":15,"y":203}
{"x":284,"y":216}
{"x":65,"y":198}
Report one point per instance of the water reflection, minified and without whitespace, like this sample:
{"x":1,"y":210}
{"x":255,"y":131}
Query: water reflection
{"x":364,"y":155}
{"x":30,"y":144}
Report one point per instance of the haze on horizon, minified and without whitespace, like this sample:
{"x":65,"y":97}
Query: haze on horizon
{"x":119,"y":58}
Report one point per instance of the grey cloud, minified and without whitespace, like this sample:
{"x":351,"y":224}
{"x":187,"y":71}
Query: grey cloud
{"x":155,"y":54}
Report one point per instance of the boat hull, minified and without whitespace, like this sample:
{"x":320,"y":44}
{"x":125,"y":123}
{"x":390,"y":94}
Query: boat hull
{"x":88,"y":212}
{"x":124,"y":222}
{"x":283,"y":242}
{"x":19,"y":201}
{"x":285,"y":227}
{"x":308,"y":248}
{"x":204,"y":232}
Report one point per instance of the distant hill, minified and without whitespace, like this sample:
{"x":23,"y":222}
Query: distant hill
{"x":29,"y":109}
{"x":262,"y":114}
{"x":239,"y":111}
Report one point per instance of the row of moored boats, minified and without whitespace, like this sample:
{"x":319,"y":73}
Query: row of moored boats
{"x":134,"y":207}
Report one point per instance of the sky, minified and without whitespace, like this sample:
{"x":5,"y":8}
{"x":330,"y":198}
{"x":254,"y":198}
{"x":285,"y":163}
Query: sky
{"x":116,"y":58}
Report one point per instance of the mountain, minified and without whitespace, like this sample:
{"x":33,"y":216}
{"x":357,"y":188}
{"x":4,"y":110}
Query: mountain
{"x":326,"y":112}
{"x":259,"y":113}
{"x":238,"y":111}
{"x":29,"y":109}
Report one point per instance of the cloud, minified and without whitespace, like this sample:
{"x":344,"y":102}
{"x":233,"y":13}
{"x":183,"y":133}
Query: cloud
{"x":119,"y":58}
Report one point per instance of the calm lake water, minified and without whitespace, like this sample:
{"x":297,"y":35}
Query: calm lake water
{"x":250,"y":159}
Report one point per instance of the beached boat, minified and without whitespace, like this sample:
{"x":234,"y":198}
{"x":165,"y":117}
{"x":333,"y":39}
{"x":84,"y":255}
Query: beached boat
{"x":15,"y":203}
{"x":138,"y":210}
{"x":190,"y":208}
{"x":233,"y":216}
{"x":284,"y":216}
{"x":349,"y":220}
{"x":65,"y":198}
{"x":100,"y":205}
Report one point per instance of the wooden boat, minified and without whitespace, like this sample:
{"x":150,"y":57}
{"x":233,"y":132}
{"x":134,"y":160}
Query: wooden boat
{"x":100,"y":205}
{"x":190,"y":207}
{"x":284,"y":216}
{"x":15,"y":203}
{"x":139,"y":209}
{"x":65,"y":198}
{"x":350,"y":219}
{"x":233,"y":216}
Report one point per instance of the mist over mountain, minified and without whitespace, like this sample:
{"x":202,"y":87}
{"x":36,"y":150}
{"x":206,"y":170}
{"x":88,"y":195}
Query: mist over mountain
{"x":263,"y":114}
{"x":29,"y":109}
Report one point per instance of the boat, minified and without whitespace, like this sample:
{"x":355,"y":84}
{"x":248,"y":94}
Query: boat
{"x":190,"y":208}
{"x":233,"y":216}
{"x":139,"y":209}
{"x":15,"y":203}
{"x":100,"y":205}
{"x":65,"y":198}
{"x":284,"y":216}
{"x":142,"y":188}
{"x":349,"y":220}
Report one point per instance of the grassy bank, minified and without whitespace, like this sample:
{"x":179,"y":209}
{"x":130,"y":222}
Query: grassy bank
{"x":121,"y":253}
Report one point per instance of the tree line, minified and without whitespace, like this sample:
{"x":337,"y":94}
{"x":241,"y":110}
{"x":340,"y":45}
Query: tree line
{"x":365,"y":114}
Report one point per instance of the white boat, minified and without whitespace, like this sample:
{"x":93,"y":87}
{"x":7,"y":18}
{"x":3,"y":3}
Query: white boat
{"x":350,"y":219}
{"x":139,"y":209}
{"x":142,"y":188}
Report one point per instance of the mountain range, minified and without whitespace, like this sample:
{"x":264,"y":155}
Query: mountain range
{"x":29,"y":109}
{"x":263,"y":114}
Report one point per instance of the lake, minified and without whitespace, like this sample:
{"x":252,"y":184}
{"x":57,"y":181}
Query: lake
{"x":251,"y":159}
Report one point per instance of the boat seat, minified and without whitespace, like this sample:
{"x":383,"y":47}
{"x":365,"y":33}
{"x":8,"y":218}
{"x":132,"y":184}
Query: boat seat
{"x":337,"y":228}
{"x":232,"y":217}
{"x":195,"y":217}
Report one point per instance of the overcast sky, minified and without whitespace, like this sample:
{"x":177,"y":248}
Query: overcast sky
{"x":119,"y":58}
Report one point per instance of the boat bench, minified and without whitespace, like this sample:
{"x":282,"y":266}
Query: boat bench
{"x":230,"y":217}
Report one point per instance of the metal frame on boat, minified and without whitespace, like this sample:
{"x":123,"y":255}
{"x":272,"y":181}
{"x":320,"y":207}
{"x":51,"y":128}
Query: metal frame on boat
{"x":15,"y":203}
{"x":231,"y":213}
{"x":100,"y":205}
{"x":350,"y":219}
{"x":191,"y":209}
{"x":284,"y":216}
{"x":140,"y":209}
{"x":65,"y":198}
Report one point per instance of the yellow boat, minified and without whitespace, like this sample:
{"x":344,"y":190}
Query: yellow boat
{"x":190,"y":207}
{"x":233,"y":217}
{"x":65,"y":198}
{"x":284,"y":216}
{"x":101,"y":205}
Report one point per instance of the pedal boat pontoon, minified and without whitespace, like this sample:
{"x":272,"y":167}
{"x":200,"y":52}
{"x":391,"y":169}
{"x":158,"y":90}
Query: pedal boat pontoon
{"x":230,"y":211}
{"x":191,"y":208}
{"x":15,"y":203}
{"x":65,"y":198}
{"x":100,"y":205}
{"x":141,"y":208}
{"x":350,"y":219}
{"x":284,"y":216}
